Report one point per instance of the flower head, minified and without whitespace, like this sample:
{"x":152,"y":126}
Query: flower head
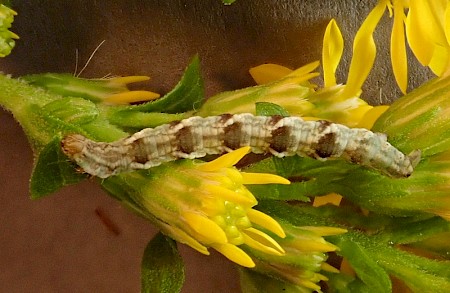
{"x":206,"y":205}
{"x":107,"y":91}
{"x":293,"y":90}
{"x":289,"y":91}
{"x":305,"y":258}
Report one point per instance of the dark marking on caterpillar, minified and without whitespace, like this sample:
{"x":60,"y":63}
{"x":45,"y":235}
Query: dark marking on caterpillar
{"x":185,"y":142}
{"x":197,"y":137}
{"x":280,"y":136}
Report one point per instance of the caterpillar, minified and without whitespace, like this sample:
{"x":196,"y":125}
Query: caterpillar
{"x":196,"y":137}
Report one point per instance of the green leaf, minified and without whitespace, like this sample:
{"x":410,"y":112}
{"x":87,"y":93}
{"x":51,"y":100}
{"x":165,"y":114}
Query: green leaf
{"x":270,"y":109}
{"x":52,"y":171}
{"x":187,"y":95}
{"x":162,"y":266}
{"x":72,"y":110}
{"x":365,"y":266}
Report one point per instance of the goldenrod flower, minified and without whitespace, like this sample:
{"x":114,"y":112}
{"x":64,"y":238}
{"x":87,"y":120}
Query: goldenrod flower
{"x":107,"y":90}
{"x":206,"y":205}
{"x":336,"y":102}
{"x":290,"y":92}
{"x":305,"y":258}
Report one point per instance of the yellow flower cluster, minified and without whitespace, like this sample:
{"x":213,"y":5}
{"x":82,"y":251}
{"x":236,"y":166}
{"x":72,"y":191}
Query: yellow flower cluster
{"x":207,"y":205}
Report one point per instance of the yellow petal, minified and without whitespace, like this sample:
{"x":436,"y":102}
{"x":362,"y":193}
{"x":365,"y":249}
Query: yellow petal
{"x":313,"y":245}
{"x":182,"y":237}
{"x":263,"y":238}
{"x":309,"y":284}
{"x":447,"y":23}
{"x":301,"y":74}
{"x":128,"y":97}
{"x":265,"y":221}
{"x":324,"y":230}
{"x":263,"y":178}
{"x":205,"y":227}
{"x":371,"y":116}
{"x":398,"y":47}
{"x":332,"y":198}
{"x":226,"y":160}
{"x":333,"y":46}
{"x":425,"y":28}
{"x":364,"y":51}
{"x":130,"y":79}
{"x":235,"y":254}
{"x":229,"y":195}
{"x":267,"y":73}
{"x":328,"y":268}
{"x":439,"y":63}
{"x":259,"y":246}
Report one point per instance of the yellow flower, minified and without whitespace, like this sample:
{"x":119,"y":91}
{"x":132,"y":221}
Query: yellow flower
{"x":290,"y":92}
{"x":426,"y":24}
{"x":105,"y":90}
{"x":207,"y":205}
{"x":305,"y":258}
{"x":336,"y":102}
{"x":125,"y":96}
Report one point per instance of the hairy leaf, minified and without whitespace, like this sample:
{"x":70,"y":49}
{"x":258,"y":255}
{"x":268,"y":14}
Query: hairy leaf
{"x":162,"y":266}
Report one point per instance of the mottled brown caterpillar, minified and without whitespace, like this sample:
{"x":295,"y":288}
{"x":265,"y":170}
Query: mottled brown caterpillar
{"x":196,"y":137}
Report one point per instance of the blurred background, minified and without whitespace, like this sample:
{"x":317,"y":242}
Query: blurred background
{"x":80,"y":240}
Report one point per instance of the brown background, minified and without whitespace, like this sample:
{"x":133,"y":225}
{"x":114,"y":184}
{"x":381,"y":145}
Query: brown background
{"x":58,"y":244}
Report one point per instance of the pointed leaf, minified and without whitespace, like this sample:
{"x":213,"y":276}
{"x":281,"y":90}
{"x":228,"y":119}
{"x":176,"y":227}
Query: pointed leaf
{"x":187,"y":95}
{"x":365,"y":266}
{"x":52,"y":171}
{"x":270,"y":109}
{"x":162,"y":266}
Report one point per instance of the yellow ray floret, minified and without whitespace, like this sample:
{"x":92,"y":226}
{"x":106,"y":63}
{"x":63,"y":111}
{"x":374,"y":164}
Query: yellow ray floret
{"x":182,"y":237}
{"x":266,"y":221}
{"x":267,"y":73}
{"x":128,"y":97}
{"x":226,"y":160}
{"x":333,"y":46}
{"x":205,"y":227}
{"x":325,"y":230}
{"x":264,"y":239}
{"x":263,"y":178}
{"x":235,"y":254}
{"x":230,"y":195}
{"x":130,"y":79}
{"x":329,"y":268}
{"x":261,"y":247}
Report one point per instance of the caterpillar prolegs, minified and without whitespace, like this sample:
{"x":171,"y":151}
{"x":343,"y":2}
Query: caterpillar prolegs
{"x":196,"y":137}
